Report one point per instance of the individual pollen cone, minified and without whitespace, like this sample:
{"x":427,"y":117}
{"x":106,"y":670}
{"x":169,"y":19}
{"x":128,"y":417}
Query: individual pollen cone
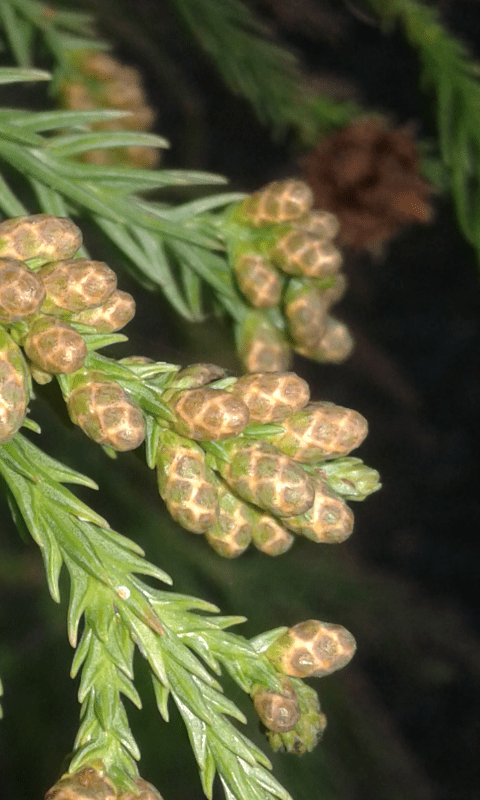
{"x":323,"y":224}
{"x":350,"y":477}
{"x":186,"y":484}
{"x":54,"y":346}
{"x":279,"y":201}
{"x":145,"y":792}
{"x":336,"y":291}
{"x":258,"y":280}
{"x":312,"y":649}
{"x":269,"y":536}
{"x":309,"y":728}
{"x":335,"y":345}
{"x":110,"y":316}
{"x":195,"y":376}
{"x":279,"y":711}
{"x":77,"y":284}
{"x":105,"y":412}
{"x":209,"y":414}
{"x":14,"y":387}
{"x":231,"y":532}
{"x":261,"y":346}
{"x":40,"y":237}
{"x":328,"y":521}
{"x":272,"y":396}
{"x":21,"y":291}
{"x":299,"y":252}
{"x":306,"y":312}
{"x":261,"y":475}
{"x":85,"y":784}
{"x":319,"y":431}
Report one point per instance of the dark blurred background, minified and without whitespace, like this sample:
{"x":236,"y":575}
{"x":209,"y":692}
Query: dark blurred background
{"x":403,"y":718}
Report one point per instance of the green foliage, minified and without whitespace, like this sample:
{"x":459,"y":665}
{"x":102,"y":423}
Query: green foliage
{"x":451,"y":74}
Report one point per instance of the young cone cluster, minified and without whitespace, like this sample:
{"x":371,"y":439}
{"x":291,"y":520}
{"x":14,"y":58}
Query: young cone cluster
{"x":288,"y":269}
{"x":100,"y":81}
{"x":44,"y":292}
{"x":92,"y":783}
{"x":292,"y":716}
{"x":244,"y":461}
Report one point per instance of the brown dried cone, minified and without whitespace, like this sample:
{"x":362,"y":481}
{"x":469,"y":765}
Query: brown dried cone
{"x":272,"y":397}
{"x":186,"y":484}
{"x":39,"y":238}
{"x":231,"y":532}
{"x":328,"y":521}
{"x":104,"y":411}
{"x":368,"y":175}
{"x":306,"y":312}
{"x":258,"y":280}
{"x":208,"y":414}
{"x":54,"y":346}
{"x":85,"y":784}
{"x":309,"y":728}
{"x":261,"y":346}
{"x":14,"y":387}
{"x":110,"y":316}
{"x":279,"y":201}
{"x":21,"y":291}
{"x":312,"y":649}
{"x":261,"y":475}
{"x":299,"y":252}
{"x":279,"y":711}
{"x":145,"y":792}
{"x":335,"y":345}
{"x":77,"y":284}
{"x":321,"y":431}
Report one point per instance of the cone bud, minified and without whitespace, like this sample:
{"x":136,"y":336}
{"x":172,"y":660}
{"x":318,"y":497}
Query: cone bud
{"x":40,"y":237}
{"x":14,"y":387}
{"x":328,"y":521}
{"x":195,"y":376}
{"x":258,"y":280}
{"x":85,"y":784}
{"x":312,"y":649}
{"x":261,"y":346}
{"x":278,"y":711}
{"x":336,"y":291}
{"x":335,"y":345}
{"x":110,"y":316}
{"x":77,"y":284}
{"x":186,"y":484}
{"x":269,"y":536}
{"x":261,"y":475}
{"x":306,"y":313}
{"x":299,"y":252}
{"x":279,"y":201}
{"x":231,"y":532}
{"x":309,"y":728}
{"x":323,"y":224}
{"x":209,"y":414}
{"x":145,"y":792}
{"x":272,"y":397}
{"x":350,"y":477}
{"x":54,"y":346}
{"x":21,"y":291}
{"x":321,"y":431}
{"x":105,"y":412}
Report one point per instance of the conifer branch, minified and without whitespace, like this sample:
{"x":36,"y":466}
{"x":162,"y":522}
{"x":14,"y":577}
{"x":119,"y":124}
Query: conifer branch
{"x":451,"y":74}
